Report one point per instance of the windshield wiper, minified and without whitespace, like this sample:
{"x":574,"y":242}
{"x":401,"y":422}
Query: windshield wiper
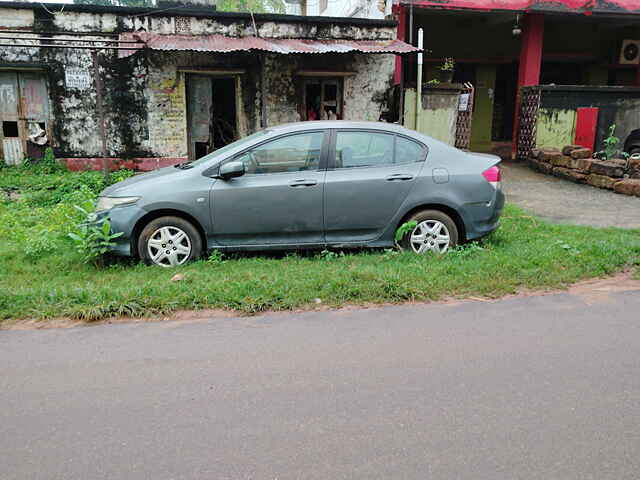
{"x":184,"y":166}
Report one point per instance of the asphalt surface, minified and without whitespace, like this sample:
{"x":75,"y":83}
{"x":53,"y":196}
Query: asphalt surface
{"x":544,"y":387}
{"x":561,"y":201}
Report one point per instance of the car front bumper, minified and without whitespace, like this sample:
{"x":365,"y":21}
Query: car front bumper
{"x":122,"y":220}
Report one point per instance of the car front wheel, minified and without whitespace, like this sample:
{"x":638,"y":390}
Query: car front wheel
{"x":169,"y":242}
{"x":434,"y":232}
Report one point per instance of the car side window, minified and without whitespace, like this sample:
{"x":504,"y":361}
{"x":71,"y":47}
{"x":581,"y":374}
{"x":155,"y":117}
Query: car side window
{"x":408,"y":151}
{"x":363,"y":149}
{"x":293,"y":153}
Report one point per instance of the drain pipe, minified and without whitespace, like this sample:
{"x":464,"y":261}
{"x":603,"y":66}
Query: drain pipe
{"x":419,"y":84}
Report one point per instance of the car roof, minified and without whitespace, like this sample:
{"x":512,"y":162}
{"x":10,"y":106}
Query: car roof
{"x":341,"y":124}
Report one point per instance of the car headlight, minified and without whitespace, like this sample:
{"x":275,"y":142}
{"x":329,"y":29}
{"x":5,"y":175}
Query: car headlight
{"x":107,"y":203}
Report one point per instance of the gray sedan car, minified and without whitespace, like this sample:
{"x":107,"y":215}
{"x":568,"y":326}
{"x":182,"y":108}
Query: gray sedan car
{"x":308,"y":185}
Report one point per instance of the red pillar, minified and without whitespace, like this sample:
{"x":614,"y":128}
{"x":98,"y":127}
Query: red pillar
{"x":402,"y":34}
{"x":530,"y":62}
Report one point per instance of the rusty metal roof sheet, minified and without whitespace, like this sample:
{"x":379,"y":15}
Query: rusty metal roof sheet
{"x":222,"y":44}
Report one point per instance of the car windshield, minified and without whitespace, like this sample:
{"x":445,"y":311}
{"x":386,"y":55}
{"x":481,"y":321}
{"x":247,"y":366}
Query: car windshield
{"x":231,"y":146}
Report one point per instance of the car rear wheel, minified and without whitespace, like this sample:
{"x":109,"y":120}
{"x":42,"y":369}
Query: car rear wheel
{"x":435,"y":232}
{"x":169,"y":242}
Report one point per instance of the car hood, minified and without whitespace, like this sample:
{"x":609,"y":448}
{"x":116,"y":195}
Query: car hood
{"x":133,"y":185}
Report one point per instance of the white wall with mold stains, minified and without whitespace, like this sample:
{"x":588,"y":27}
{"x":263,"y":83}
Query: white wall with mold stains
{"x":14,"y":18}
{"x":372,"y":81}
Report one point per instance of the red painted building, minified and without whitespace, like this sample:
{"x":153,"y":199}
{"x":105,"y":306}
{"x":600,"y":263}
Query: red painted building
{"x":502,"y":45}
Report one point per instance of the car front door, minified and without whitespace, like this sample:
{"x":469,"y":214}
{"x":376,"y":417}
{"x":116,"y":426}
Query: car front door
{"x":370,"y":173}
{"x":278,"y":201}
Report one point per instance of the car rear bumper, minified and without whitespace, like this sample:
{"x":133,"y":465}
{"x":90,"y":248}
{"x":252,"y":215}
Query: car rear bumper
{"x":482,"y":219}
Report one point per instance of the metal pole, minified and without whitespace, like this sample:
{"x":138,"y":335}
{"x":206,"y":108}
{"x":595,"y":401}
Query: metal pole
{"x":100,"y":109}
{"x":419,"y":84}
{"x":263,"y":91}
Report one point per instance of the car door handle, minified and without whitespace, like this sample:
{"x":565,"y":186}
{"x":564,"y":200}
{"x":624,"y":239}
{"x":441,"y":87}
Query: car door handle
{"x":399,"y":176}
{"x":303,"y":183}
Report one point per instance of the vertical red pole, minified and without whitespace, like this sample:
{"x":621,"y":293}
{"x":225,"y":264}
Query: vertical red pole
{"x":402,"y":35}
{"x":530,"y":62}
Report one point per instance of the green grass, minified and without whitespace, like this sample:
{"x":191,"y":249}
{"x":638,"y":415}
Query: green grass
{"x":49,"y":280}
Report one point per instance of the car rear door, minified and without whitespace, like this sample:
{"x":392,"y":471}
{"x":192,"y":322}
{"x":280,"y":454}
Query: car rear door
{"x":370,"y":173}
{"x":278,"y":201}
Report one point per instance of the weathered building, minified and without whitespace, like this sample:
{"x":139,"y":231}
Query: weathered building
{"x":187,"y":82}
{"x":501,"y":46}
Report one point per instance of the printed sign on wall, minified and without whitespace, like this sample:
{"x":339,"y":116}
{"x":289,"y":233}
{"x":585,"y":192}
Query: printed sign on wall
{"x":77,"y":78}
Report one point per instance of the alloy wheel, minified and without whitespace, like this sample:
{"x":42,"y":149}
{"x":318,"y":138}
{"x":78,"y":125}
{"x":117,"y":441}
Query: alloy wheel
{"x":430,"y":236}
{"x":169,"y":247}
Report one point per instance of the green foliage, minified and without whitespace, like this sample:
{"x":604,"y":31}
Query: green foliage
{"x":216,"y":258}
{"x":611,"y":149}
{"x":255,"y":6}
{"x":448,"y":65}
{"x":329,"y":255}
{"x":92,"y":239}
{"x":404,"y":229}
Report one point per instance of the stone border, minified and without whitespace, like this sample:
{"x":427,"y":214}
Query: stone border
{"x":576,"y":164}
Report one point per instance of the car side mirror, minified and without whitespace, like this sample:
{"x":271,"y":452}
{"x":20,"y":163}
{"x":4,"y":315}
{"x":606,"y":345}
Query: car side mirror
{"x":231,"y":170}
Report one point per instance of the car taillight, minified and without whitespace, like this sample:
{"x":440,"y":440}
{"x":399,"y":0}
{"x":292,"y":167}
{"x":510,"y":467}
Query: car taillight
{"x":492,"y":175}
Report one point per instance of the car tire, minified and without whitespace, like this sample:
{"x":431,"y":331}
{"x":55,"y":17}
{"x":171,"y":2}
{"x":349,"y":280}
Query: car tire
{"x":634,"y":151}
{"x":433,"y":227}
{"x":169,"y":242}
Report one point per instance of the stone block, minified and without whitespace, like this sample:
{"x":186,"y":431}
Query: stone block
{"x":570,"y":148}
{"x":581,"y":153}
{"x":547,"y":154}
{"x":561,"y":161}
{"x":628,"y":187}
{"x":571,"y":175}
{"x":607,"y":168}
{"x":581,"y":164}
{"x":601,"y":181}
{"x":634,"y":167}
{"x":539,"y":166}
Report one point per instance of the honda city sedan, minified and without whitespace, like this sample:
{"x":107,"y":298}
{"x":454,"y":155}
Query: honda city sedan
{"x":309,"y":185}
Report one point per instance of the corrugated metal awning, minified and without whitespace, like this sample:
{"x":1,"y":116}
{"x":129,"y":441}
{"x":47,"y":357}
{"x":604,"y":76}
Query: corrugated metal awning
{"x":285,"y":46}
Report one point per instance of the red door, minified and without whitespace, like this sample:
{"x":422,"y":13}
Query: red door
{"x":586,"y":123}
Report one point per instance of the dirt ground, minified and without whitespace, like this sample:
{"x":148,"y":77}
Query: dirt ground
{"x":561,"y":201}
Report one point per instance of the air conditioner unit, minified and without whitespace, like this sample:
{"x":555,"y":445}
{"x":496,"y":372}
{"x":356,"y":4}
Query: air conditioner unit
{"x":630,"y":52}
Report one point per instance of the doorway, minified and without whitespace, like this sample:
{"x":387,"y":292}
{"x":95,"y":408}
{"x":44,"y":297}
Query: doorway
{"x":504,"y":102}
{"x":212,"y":113}
{"x":24,"y":116}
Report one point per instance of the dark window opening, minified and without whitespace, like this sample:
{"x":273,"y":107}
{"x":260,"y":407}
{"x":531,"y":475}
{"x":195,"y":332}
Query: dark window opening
{"x":10,"y":129}
{"x":323,"y":99}
{"x":201,"y":149}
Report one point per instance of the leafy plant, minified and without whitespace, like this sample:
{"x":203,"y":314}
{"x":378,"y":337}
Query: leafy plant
{"x":39,"y":245}
{"x":216,"y":258}
{"x":92,"y":239}
{"x":404,"y":229}
{"x":448,"y":65}
{"x":328,"y":255}
{"x":610,"y":149}
{"x":120,"y":175}
{"x":433,"y":81}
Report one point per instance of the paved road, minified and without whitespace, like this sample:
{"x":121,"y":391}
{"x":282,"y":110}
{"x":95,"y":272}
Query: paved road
{"x":543,"y":387}
{"x":561,"y":201}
